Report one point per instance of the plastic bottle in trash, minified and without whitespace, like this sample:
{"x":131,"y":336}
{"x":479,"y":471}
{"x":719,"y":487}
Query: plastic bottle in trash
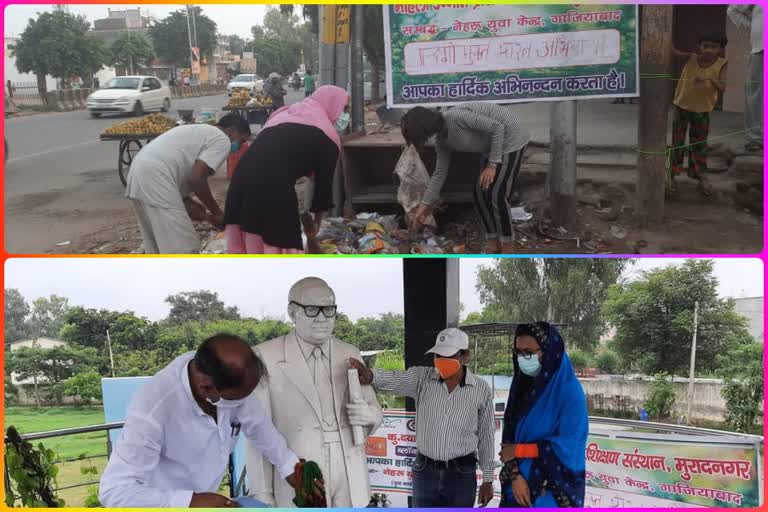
{"x":643,"y":414}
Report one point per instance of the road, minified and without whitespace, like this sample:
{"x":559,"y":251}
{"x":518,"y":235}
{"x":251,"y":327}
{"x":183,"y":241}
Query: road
{"x":61,"y":182}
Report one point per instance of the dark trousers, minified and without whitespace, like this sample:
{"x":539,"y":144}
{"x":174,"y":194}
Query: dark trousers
{"x":444,"y":485}
{"x":493,"y":205}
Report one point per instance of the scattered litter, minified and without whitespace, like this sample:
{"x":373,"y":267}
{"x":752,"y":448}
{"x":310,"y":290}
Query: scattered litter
{"x":518,"y":214}
{"x":618,"y":232}
{"x":63,"y":244}
{"x":562,"y":230}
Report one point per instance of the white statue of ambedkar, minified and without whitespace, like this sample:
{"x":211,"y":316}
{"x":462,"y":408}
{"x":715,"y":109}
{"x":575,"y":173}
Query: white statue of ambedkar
{"x":307,"y":396}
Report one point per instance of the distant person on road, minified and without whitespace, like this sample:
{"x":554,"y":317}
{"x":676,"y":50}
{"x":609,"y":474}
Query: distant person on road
{"x":182,"y":426}
{"x":309,"y":84}
{"x":701,"y":83}
{"x":750,"y":17}
{"x":482,"y":128}
{"x":275,"y":90}
{"x":545,"y":429}
{"x":165,"y":174}
{"x":302,"y":140}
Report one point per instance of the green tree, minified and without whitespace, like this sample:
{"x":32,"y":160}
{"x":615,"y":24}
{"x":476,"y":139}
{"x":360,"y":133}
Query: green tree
{"x":569,"y":291}
{"x":16,"y":312}
{"x":661,"y":397}
{"x":200,"y":306}
{"x":48,"y":316}
{"x":280,"y":41}
{"x":579,"y":359}
{"x":742,"y":370}
{"x":49,"y":367}
{"x":236,"y":45}
{"x":130,"y":52}
{"x":57,"y":43}
{"x":387,"y":331}
{"x":85,"y":385}
{"x":171,"y":40}
{"x":608,"y":361}
{"x":653,"y":317}
{"x":373,"y":42}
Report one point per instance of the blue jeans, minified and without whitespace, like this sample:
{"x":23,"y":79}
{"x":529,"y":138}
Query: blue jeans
{"x":454,"y":486}
{"x":247,"y":502}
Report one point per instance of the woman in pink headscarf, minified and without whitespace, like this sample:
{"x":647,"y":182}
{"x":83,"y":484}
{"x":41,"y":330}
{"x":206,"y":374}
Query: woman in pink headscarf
{"x":262,"y":212}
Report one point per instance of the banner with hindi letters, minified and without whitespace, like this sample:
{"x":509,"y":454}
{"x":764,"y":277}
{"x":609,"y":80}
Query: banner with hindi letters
{"x":441,"y":55}
{"x":710,"y":474}
{"x":644,"y":471}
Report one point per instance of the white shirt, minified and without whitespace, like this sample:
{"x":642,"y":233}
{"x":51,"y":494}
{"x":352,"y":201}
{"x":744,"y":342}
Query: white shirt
{"x":749,"y":17}
{"x":160,"y":173}
{"x":169,"y":448}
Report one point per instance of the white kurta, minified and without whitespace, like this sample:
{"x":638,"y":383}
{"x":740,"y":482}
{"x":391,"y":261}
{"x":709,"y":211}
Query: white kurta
{"x":291,"y":399}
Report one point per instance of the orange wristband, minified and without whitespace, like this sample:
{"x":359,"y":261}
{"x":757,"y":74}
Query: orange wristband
{"x":527,"y":451}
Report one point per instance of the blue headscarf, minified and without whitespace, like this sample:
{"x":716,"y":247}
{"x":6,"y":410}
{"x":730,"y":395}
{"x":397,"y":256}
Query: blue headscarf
{"x":551,"y":411}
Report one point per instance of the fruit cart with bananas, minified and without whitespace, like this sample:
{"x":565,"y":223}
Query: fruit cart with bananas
{"x":256,"y":109}
{"x":132,"y":136}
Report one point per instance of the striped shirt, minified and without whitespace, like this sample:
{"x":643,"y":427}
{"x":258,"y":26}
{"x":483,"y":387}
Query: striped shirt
{"x":448,"y":425}
{"x":481,"y":128}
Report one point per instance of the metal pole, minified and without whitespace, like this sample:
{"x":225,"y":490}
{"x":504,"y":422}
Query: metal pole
{"x":358,"y":94}
{"x":326,"y":73}
{"x":191,"y":53}
{"x":655,"y":58}
{"x":111,"y":359}
{"x":693,"y":360}
{"x":562,"y":174}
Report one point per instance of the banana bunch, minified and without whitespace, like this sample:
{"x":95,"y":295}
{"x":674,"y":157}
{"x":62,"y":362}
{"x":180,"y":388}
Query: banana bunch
{"x":262,"y":100}
{"x":239,"y":98}
{"x":153,"y":124}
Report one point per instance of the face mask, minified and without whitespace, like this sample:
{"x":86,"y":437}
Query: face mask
{"x":447,"y":367}
{"x":235,"y":146}
{"x":530,"y":367}
{"x":223,"y":403}
{"x":342,"y":122}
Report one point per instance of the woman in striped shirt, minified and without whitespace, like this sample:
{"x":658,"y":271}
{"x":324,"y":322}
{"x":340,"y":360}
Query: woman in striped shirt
{"x":482,"y":128}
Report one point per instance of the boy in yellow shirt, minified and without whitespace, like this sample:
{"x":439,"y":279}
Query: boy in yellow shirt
{"x":696,"y":94}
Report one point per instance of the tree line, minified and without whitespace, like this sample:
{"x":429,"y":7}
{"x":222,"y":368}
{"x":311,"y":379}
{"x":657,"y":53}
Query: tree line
{"x":141,"y":346}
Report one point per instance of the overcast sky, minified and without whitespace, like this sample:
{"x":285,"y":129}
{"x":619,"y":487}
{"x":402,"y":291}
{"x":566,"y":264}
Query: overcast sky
{"x":259,"y":287}
{"x":231,"y":19}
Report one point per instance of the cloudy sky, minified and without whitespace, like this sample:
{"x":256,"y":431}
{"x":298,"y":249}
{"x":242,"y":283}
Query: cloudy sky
{"x":231,"y":19}
{"x":364,"y":287}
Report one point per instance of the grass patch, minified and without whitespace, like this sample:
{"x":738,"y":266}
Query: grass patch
{"x":29,"y":419}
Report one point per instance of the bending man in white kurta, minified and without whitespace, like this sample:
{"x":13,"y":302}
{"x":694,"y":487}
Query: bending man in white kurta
{"x":307,"y":395}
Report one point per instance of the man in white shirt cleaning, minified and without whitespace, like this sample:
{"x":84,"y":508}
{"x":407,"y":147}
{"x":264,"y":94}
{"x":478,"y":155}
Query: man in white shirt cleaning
{"x":166,"y":173}
{"x":750,"y":17}
{"x":182,"y":426}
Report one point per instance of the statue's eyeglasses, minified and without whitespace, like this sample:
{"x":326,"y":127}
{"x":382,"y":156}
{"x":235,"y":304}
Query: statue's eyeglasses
{"x":313,"y":311}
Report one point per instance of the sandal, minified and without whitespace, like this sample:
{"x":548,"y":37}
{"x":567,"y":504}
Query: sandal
{"x":492,"y":247}
{"x":753,"y":147}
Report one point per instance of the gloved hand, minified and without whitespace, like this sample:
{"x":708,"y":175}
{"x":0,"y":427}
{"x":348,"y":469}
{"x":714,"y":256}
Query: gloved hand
{"x":360,"y":415}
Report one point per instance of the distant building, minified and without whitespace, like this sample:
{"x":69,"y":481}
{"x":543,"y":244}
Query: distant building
{"x":751,"y":308}
{"x":45,"y":343}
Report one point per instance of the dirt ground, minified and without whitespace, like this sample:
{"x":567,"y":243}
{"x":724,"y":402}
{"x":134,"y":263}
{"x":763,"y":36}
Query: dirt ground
{"x":694,"y":224}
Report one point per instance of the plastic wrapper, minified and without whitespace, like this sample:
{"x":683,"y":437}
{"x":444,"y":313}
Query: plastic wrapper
{"x":414,"y":180}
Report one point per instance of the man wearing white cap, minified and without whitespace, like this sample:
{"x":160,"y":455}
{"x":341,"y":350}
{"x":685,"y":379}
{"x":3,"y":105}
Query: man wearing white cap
{"x":454,"y":423}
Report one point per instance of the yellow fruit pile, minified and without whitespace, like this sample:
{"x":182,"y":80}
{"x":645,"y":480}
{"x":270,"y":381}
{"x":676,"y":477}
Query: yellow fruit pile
{"x":239,"y":98}
{"x":153,"y":124}
{"x":262,"y":100}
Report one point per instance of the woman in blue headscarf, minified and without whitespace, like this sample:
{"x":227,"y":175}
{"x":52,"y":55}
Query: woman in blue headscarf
{"x":545,"y":424}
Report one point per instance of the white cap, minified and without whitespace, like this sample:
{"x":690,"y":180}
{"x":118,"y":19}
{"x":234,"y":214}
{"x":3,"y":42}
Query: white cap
{"x":450,"y":341}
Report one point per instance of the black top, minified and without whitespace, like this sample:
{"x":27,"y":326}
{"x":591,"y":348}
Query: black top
{"x":262,"y":196}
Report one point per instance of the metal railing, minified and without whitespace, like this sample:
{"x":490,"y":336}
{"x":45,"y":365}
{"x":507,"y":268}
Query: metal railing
{"x":106,"y":427}
{"x":670,"y":428}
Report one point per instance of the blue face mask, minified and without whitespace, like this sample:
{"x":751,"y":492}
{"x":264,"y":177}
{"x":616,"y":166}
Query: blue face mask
{"x":235,"y":146}
{"x":530,"y":367}
{"x":342,"y":122}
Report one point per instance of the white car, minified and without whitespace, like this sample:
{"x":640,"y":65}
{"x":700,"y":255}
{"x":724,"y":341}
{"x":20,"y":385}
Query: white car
{"x":250,"y":82}
{"x":134,"y":94}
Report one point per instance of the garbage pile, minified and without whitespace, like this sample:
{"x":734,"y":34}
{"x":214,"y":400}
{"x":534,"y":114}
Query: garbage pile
{"x":372,"y":233}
